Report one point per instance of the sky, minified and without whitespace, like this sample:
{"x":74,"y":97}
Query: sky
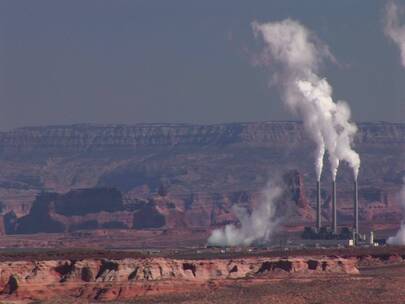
{"x":181,"y":61}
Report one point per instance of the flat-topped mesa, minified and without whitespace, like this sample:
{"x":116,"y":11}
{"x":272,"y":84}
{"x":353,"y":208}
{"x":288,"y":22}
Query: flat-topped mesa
{"x":84,"y":138}
{"x":47,"y":279}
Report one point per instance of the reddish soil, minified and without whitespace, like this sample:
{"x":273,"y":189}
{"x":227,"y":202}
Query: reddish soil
{"x":371,"y":286}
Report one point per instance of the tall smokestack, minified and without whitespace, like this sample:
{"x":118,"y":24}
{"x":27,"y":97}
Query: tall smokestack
{"x":318,"y":206}
{"x":334,"y":228}
{"x":356,"y":212}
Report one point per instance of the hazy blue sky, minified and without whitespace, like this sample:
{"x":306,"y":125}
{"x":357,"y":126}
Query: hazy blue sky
{"x":180,"y":61}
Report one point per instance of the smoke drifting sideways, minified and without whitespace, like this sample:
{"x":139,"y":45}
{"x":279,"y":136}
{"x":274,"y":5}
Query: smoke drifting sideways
{"x":258,"y":226}
{"x":295,"y":55}
{"x":393,"y":28}
{"x":399,"y":238}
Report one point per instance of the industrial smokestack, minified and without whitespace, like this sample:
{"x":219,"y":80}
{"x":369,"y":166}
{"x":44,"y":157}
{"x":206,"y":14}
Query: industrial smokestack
{"x":356,"y":212}
{"x":334,"y":227}
{"x":318,"y":206}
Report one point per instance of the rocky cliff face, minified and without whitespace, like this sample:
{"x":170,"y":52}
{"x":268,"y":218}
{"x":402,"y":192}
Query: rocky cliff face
{"x":189,"y":176}
{"x":104,"y":138}
{"x":95,"y":279}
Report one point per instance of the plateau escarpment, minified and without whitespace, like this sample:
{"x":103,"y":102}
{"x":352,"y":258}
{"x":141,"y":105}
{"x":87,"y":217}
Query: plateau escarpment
{"x":183,"y":176}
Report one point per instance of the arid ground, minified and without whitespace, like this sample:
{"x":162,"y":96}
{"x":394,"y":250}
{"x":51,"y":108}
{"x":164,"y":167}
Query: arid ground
{"x":382,"y":284}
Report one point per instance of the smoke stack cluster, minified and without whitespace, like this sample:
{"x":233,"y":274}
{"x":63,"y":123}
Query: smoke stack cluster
{"x":298,"y":54}
{"x":334,"y":208}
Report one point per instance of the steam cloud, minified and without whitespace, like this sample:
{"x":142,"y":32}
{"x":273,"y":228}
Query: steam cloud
{"x":396,"y":32}
{"x":258,"y":226}
{"x":399,"y":238}
{"x":298,"y":54}
{"x":393,"y":28}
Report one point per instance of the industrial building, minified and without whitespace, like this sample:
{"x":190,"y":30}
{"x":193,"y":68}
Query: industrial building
{"x":320,"y":232}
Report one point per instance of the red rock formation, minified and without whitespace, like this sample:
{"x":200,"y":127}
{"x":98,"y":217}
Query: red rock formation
{"x":93,"y":279}
{"x":295,"y":185}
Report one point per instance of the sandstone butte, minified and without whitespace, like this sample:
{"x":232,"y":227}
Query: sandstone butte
{"x":124,"y":279}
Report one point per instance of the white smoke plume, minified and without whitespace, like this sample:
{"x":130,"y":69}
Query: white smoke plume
{"x":255,"y":227}
{"x":396,"y":32}
{"x":393,"y":28}
{"x":298,"y":53}
{"x":399,"y":238}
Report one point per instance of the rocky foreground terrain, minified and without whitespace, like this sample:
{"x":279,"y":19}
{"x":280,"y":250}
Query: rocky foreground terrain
{"x":92,"y":279}
{"x":63,"y":179}
{"x":207,"y":277}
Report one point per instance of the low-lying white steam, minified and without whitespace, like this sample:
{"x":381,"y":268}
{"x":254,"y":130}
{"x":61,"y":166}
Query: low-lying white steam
{"x":399,"y":238}
{"x":393,"y":28}
{"x":255,"y":227}
{"x":298,"y":54}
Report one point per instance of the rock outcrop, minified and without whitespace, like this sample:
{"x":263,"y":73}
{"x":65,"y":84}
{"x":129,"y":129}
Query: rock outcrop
{"x":53,"y":212}
{"x":103,"y":279}
{"x":84,"y":209}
